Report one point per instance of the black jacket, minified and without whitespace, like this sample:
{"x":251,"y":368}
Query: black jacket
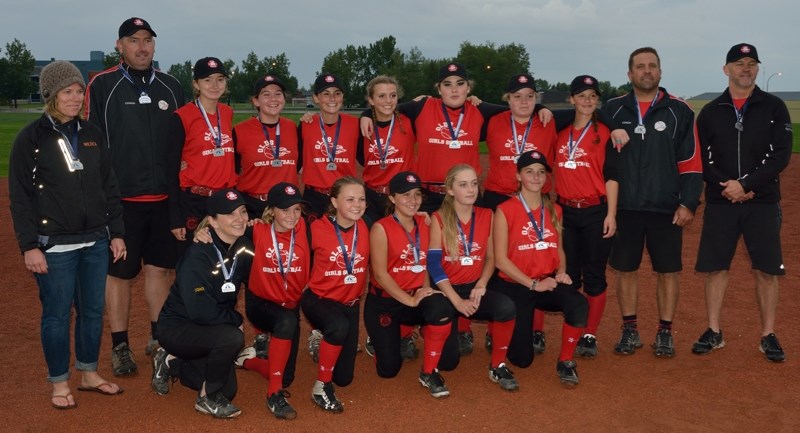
{"x":49,"y":200}
{"x":755,"y":156}
{"x":664,"y":170}
{"x":196,"y":295}
{"x":136,"y":133}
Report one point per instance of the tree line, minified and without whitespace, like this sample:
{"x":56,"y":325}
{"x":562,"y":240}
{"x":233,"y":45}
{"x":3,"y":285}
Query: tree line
{"x":489,"y":65}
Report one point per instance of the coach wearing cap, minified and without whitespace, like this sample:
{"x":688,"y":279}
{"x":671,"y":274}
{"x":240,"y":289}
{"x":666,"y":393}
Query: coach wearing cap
{"x":132,"y":103}
{"x":746,"y":139}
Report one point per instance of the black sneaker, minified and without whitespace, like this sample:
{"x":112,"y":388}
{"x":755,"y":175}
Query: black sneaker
{"x":160,"y":380}
{"x":664,"y":347}
{"x":122,"y":362}
{"x":771,"y":347}
{"x":465,"y":342}
{"x":587,"y":346}
{"x":707,"y":342}
{"x":217,"y":406}
{"x":487,"y":343}
{"x":567,"y":373}
{"x":369,"y":349}
{"x":435,"y":383}
{"x":503,"y":377}
{"x":408,"y":348}
{"x":538,"y":342}
{"x":261,"y":345}
{"x":629,"y":341}
{"x":323,"y":396}
{"x":277,"y":404}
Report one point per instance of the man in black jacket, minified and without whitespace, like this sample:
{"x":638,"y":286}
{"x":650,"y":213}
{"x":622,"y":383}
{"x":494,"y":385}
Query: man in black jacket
{"x":132,"y":104}
{"x":746,"y":137}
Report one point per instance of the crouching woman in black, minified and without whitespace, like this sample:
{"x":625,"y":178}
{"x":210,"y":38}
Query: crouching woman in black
{"x":199,"y":328}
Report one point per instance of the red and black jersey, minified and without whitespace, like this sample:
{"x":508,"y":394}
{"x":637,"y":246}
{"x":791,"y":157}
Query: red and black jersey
{"x":329,"y":270}
{"x":198,"y":165}
{"x":315,"y":150}
{"x":398,"y":157}
{"x":256,"y":155}
{"x":266,"y":280}
{"x":502,"y":149}
{"x":522,"y":239}
{"x":451,"y":262}
{"x":435,"y":155}
{"x":587,"y":179}
{"x":400,"y":253}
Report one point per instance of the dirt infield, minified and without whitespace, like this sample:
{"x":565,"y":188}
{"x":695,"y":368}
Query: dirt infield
{"x":731,"y":390}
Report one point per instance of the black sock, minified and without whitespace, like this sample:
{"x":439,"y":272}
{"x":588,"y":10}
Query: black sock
{"x":118,"y":338}
{"x":665,"y":324}
{"x":630,"y":321}
{"x":153,"y":326}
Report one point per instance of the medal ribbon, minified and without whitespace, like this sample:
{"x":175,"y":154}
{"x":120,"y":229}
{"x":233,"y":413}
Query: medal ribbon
{"x":331,"y":149}
{"x":349,"y":262}
{"x":639,"y":110}
{"x":276,"y":151}
{"x":467,"y":246}
{"x":227,"y":274}
{"x":216,"y":134}
{"x":539,"y":229}
{"x":572,"y":146}
{"x":520,"y":147}
{"x":454,"y":133}
{"x":127,"y":75}
{"x":384,"y":152}
{"x":415,"y":248}
{"x":284,"y":270}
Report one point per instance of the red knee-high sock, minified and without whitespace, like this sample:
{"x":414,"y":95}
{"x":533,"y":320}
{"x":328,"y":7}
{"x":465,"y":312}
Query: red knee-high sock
{"x":538,"y":320}
{"x":597,"y":305}
{"x":259,"y":365}
{"x":434,"y":336}
{"x":406,"y":330}
{"x":464,"y":324}
{"x":501,"y":337}
{"x":328,"y":355}
{"x":279,"y":350}
{"x":569,"y":340}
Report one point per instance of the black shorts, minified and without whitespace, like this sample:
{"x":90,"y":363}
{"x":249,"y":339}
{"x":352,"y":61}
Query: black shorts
{"x":148,"y":239}
{"x":637,"y":229}
{"x":377,"y":204}
{"x":758,"y":223}
{"x":492,"y":199}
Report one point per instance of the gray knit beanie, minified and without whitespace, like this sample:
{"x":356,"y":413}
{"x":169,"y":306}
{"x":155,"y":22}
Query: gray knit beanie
{"x":56,"y":76}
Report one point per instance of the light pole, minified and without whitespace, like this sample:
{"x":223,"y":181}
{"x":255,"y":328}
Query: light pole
{"x":770,"y":77}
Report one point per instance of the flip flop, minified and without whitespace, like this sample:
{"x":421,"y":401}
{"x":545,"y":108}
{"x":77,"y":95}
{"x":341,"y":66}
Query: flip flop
{"x":66,"y":398}
{"x":99,"y":389}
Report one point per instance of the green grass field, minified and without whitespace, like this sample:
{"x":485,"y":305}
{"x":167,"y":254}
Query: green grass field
{"x":11,"y":123}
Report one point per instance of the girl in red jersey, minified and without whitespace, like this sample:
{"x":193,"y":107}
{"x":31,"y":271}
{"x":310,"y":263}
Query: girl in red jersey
{"x":200,"y":157}
{"x":340,"y":246}
{"x":585,"y":172}
{"x":399,"y":290}
{"x":461,"y":262}
{"x":532,"y":267}
{"x":280,"y":273}
{"x":390,"y":150}
{"x":267,"y":150}
{"x":329,"y":142}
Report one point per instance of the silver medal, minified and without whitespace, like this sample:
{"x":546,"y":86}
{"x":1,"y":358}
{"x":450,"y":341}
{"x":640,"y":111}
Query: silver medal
{"x":219,"y":152}
{"x":350,"y":279}
{"x":572,"y":165}
{"x":75,"y":165}
{"x":541,"y":245}
{"x":276,"y":163}
{"x":383,"y":165}
{"x":454,"y":145}
{"x":228,"y":287}
{"x":144,"y":99}
{"x":739,"y":126}
{"x":331,"y":166}
{"x":417,"y":269}
{"x":466,"y":261}
{"x":640,"y":129}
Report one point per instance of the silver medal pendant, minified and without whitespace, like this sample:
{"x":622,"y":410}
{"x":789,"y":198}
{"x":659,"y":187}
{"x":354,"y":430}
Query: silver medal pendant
{"x":466,"y":261}
{"x":350,"y":279}
{"x":144,"y":99}
{"x":572,"y":165}
{"x":541,"y":245}
{"x":219,"y":152}
{"x":383,"y":165}
{"x":417,"y":269}
{"x":739,"y":126}
{"x":228,"y":287}
{"x":454,"y":145}
{"x":276,"y":163}
{"x":640,"y":129}
{"x":75,"y":165}
{"x":331,"y":166}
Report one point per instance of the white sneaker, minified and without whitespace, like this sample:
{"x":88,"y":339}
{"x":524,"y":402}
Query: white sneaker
{"x":248,"y":352}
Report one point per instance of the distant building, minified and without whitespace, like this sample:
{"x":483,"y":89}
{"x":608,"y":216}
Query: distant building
{"x":792,"y":100}
{"x":89,"y":68}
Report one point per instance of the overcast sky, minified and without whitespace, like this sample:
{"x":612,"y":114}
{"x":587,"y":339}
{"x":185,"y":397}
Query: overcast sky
{"x":564,"y":38}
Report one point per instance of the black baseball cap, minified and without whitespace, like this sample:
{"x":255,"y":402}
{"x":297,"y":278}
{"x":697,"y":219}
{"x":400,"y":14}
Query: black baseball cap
{"x":224,"y":202}
{"x":451,"y":69}
{"x":740,"y":51}
{"x":520,"y":81}
{"x":133,"y":25}
{"x":532,"y":157}
{"x":207,"y":66}
{"x":284,"y":195}
{"x":403,"y":182}
{"x":325,"y":81}
{"x":265,"y":81}
{"x":583,"y":82}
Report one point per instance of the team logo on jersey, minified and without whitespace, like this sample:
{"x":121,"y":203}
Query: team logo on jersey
{"x":337,"y":257}
{"x":513,"y":147}
{"x":407,"y":256}
{"x":373,"y":149}
{"x":564,"y":150}
{"x":531,"y":234}
{"x":267,"y":148}
{"x":207,"y":136}
{"x":323,"y":149}
{"x":444,"y":129}
{"x":274,"y":256}
{"x":660,"y":126}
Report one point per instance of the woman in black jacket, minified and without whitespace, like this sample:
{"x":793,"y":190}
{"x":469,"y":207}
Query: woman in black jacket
{"x":199,"y":329}
{"x":67,"y":214}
